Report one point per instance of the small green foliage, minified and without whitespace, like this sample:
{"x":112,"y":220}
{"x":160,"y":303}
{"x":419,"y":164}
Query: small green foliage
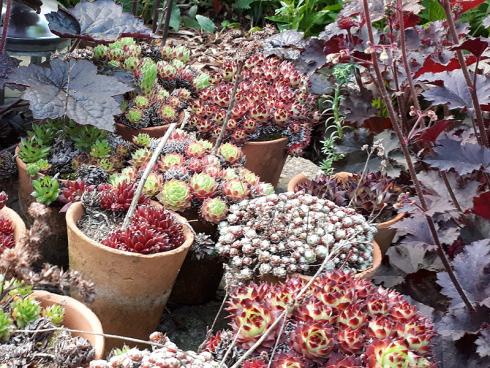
{"x":141,"y":101}
{"x":177,"y":64}
{"x":45,"y":133}
{"x":379,"y":104}
{"x":182,"y":53}
{"x":84,"y":136}
{"x":116,"y":179}
{"x":100,"y":149}
{"x":134,"y":115}
{"x":167,"y":112}
{"x":35,"y":168}
{"x":131,"y":63}
{"x":142,"y":140}
{"x":343,"y":73}
{"x":120,"y":351}
{"x":25,"y":311}
{"x":114,"y":64}
{"x":6,"y":326}
{"x":100,"y":51}
{"x":106,"y":165}
{"x":31,"y":150}
{"x":124,"y":41}
{"x":148,"y":75}
{"x":46,"y":190}
{"x":55,"y":313}
{"x":201,"y":81}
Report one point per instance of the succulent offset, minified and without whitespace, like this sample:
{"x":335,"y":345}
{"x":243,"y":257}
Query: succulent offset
{"x":293,"y":232}
{"x":339,"y":322}
{"x":7,"y":239}
{"x":272,"y":101}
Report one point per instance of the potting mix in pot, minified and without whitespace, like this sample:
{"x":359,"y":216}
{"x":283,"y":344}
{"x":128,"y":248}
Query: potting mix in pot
{"x":151,"y":176}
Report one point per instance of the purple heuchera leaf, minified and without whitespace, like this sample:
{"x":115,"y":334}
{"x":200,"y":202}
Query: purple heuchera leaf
{"x":483,"y":342}
{"x":463,"y":158}
{"x":459,"y":322}
{"x":101,"y":20}
{"x":454,"y":91}
{"x":7,"y":66}
{"x":73,"y":89}
{"x":472,"y":268}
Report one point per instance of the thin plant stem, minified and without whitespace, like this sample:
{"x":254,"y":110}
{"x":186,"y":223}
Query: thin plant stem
{"x":471,"y":86}
{"x":5,"y":28}
{"x":232,"y":345}
{"x":110,"y":336}
{"x":148,"y":169}
{"x":211,"y":329}
{"x":166,"y":24}
{"x":154,"y":15}
{"x":276,"y":344}
{"x":450,"y":191}
{"x":410,"y":166}
{"x":238,"y":78}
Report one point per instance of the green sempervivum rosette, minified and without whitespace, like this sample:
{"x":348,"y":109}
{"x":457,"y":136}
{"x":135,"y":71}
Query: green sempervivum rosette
{"x":214,"y":210}
{"x":25,"y":311}
{"x":46,"y":190}
{"x":230,"y":153}
{"x":149,"y":75}
{"x":134,"y":115}
{"x":6,"y":326}
{"x":170,"y":160}
{"x":142,"y":140}
{"x":55,"y":313}
{"x":195,"y":149}
{"x":175,"y":195}
{"x":236,"y":190}
{"x":153,"y":185}
{"x":201,"y":81}
{"x":203,"y":185}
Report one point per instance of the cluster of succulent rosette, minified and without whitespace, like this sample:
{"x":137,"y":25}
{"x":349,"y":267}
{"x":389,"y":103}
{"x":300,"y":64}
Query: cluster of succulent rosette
{"x":152,"y":229}
{"x":7,"y":239}
{"x":272,"y":101}
{"x":188,"y":175}
{"x":166,"y":84}
{"x":287,"y":233}
{"x":339,"y":322}
{"x":166,"y":356}
{"x":375,"y":195}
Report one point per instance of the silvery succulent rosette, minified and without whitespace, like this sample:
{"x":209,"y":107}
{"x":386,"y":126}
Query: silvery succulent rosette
{"x":282,"y":234}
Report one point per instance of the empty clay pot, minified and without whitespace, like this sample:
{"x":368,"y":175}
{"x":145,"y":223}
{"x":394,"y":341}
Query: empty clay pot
{"x":266,"y":159}
{"x":131,"y":289}
{"x":128,"y":133}
{"x":384,"y":236}
{"x":77,"y":317}
{"x":199,"y":279}
{"x":17,"y":222}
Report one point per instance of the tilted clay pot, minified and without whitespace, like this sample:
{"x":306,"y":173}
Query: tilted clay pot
{"x":17,"y":222}
{"x":266,"y":159}
{"x":128,"y":133}
{"x":131,"y":288}
{"x":77,"y":317}
{"x":199,"y":279}
{"x":384,"y":236}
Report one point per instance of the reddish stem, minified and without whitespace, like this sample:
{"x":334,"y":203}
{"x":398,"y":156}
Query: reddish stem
{"x":408,"y":159}
{"x":6,"y":22}
{"x":471,"y":86}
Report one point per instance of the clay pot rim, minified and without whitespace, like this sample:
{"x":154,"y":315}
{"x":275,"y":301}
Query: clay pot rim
{"x":71,"y":224}
{"x":82,"y":310}
{"x":261,"y":143}
{"x":147,"y":129}
{"x":20,"y":229}
{"x":301,"y":178}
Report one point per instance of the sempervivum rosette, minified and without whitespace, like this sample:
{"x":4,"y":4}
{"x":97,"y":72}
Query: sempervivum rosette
{"x":189,"y":176}
{"x":331,"y":325}
{"x":272,"y":100}
{"x":293,"y":232}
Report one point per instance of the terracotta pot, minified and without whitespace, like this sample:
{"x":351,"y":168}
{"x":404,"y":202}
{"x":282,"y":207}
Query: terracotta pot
{"x":384,"y":236}
{"x":266,"y":159}
{"x":77,"y":317}
{"x":131,"y":289}
{"x":19,"y":226}
{"x":54,"y":249}
{"x":198,"y":280}
{"x":128,"y":133}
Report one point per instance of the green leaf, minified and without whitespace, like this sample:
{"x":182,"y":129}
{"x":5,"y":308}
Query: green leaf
{"x":190,"y":22}
{"x":192,"y":11}
{"x":205,"y":23}
{"x":175,"y":19}
{"x":243,"y":4}
{"x":433,"y":10}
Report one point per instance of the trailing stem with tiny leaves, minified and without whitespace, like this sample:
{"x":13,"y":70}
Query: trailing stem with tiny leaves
{"x":394,"y":117}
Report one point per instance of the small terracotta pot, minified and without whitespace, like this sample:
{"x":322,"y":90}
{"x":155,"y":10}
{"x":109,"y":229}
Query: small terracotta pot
{"x":17,"y":222}
{"x":55,"y":250}
{"x":266,"y":159}
{"x":131,"y":289}
{"x":128,"y":133}
{"x":198,"y":280}
{"x":77,"y":317}
{"x":384,"y":236}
